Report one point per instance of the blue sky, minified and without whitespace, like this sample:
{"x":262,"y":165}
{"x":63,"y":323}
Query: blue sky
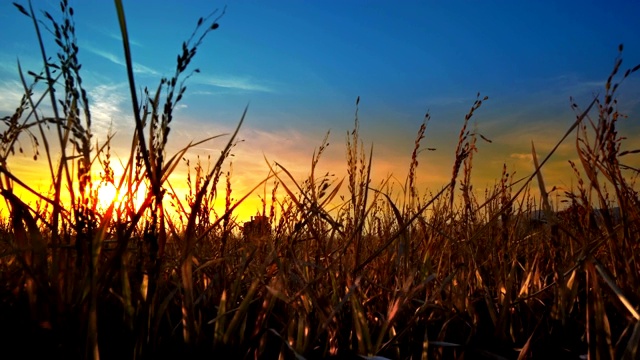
{"x":301,"y":65}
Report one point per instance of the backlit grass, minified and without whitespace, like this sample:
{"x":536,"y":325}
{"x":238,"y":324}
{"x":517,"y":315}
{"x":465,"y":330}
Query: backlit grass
{"x":407,"y":273}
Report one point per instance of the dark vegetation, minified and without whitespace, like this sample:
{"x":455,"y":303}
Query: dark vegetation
{"x":447,"y":274}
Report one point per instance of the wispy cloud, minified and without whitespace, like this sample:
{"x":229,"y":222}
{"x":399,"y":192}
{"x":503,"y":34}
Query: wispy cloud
{"x":137,"y":68}
{"x":118,"y":37}
{"x":521,"y":156}
{"x":12,"y":92}
{"x":446,"y":100}
{"x":107,"y":109}
{"x":207,"y":93}
{"x":244,"y":83}
{"x":8,"y":67}
{"x":570,"y":84}
{"x":113,"y":35}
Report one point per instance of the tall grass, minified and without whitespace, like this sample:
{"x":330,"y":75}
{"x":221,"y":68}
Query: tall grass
{"x":387,"y":273}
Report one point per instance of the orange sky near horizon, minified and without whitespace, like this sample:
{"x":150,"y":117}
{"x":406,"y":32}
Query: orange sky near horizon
{"x":249,"y":167}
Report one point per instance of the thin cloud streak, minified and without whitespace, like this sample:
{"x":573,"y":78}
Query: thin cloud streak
{"x":9,"y":68}
{"x":137,"y":68}
{"x":115,"y":35}
{"x":207,"y":93}
{"x":521,"y":156}
{"x":118,"y":37}
{"x":233,"y":82}
{"x":12,"y":92}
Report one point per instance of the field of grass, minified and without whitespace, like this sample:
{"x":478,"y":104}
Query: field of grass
{"x":398,"y":275}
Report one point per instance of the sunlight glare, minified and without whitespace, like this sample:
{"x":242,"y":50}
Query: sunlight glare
{"x":108,"y":193}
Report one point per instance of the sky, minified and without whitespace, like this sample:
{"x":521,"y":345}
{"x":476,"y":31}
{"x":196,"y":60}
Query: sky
{"x":301,"y":65}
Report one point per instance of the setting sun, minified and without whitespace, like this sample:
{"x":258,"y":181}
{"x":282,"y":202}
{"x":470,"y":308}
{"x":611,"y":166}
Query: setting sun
{"x":108,"y":193}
